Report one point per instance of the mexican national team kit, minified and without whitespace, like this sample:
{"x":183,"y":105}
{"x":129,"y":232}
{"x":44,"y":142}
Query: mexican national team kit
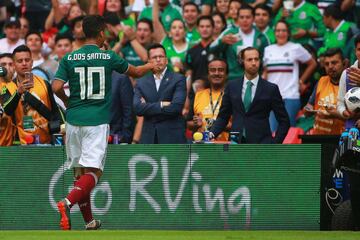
{"x":90,"y":84}
{"x":282,"y":64}
{"x":305,"y":16}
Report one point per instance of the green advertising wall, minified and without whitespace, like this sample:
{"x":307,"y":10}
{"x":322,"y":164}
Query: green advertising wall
{"x":170,"y":187}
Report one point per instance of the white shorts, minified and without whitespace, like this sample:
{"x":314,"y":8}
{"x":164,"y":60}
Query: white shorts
{"x":86,"y":146}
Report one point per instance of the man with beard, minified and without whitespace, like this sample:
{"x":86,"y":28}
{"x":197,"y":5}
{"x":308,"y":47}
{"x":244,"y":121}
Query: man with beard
{"x":249,"y":100}
{"x":328,"y":120}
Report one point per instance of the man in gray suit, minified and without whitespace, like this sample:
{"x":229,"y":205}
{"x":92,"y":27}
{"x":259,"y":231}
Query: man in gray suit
{"x":160,"y":97}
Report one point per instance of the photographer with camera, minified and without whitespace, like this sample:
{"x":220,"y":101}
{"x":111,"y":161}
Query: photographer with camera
{"x":7,"y":89}
{"x":33,"y":104}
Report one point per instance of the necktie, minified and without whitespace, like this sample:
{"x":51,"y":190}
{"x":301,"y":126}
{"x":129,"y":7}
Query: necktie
{"x":247,"y":97}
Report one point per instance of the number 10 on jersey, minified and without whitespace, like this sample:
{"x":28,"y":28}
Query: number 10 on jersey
{"x":86,"y":77}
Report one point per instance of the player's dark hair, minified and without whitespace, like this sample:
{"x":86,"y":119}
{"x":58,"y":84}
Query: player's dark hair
{"x":287,"y":27}
{"x":21,"y":48}
{"x":205,"y":17}
{"x":93,"y":25}
{"x":238,"y":1}
{"x":111,"y":18}
{"x":223,"y":19}
{"x":155,"y":46}
{"x":242,"y":52}
{"x":61,"y":36}
{"x":146,"y":21}
{"x":264,"y":7}
{"x":180,"y":20}
{"x":246,"y":6}
{"x":76,"y":20}
{"x":4,"y":55}
{"x":220,"y":60}
{"x":33,"y":32}
{"x":357,"y":40}
{"x":334,"y":51}
{"x":333,"y":11}
{"x":191,"y":4}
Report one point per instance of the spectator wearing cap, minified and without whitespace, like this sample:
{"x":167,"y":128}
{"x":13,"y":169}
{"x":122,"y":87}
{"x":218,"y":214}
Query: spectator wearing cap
{"x":12,"y":39}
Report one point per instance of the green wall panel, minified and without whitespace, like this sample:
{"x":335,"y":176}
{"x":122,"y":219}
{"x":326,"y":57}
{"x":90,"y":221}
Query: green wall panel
{"x":170,"y":187}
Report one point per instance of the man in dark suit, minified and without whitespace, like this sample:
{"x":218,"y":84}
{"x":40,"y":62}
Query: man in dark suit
{"x":122,"y":114}
{"x":249,"y":101}
{"x":160,"y":97}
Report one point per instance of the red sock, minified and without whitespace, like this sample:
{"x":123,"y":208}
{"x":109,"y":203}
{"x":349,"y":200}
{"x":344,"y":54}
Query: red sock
{"x":82,"y":189}
{"x":85,"y":208}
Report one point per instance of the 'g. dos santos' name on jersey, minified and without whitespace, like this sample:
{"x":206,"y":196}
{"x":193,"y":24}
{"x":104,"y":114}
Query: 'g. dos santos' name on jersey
{"x":88,"y":56}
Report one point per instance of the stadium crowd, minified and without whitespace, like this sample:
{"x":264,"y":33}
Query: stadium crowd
{"x":304,"y":48}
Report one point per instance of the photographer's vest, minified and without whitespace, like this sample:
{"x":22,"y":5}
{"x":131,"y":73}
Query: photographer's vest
{"x":7,"y":127}
{"x":326,"y":94}
{"x":31,"y":122}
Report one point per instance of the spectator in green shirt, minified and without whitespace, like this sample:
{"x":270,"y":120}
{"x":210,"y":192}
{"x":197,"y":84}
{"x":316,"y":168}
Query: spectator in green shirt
{"x":339,"y":31}
{"x":305,"y":21}
{"x":262,"y":21}
{"x":118,"y":7}
{"x":168,"y":12}
{"x":134,"y":51}
{"x":174,"y":41}
{"x":229,"y":44}
{"x":191,"y":13}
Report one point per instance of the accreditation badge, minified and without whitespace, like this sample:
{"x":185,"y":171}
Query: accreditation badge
{"x":28,"y":123}
{"x":340,"y":36}
{"x":302,"y":15}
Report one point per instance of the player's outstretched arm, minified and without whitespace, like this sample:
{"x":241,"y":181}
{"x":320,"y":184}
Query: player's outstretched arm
{"x":58,"y":88}
{"x":139,"y":71}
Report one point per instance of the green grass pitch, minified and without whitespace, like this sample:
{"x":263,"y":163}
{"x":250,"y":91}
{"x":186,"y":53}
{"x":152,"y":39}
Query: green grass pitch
{"x":177,"y":235}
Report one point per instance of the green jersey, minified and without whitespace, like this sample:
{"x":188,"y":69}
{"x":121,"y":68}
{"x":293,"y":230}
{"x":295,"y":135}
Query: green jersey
{"x":305,"y":16}
{"x":168,"y":15}
{"x":173,"y":54}
{"x":131,"y":56}
{"x":230,"y":52}
{"x":193,"y":37}
{"x":270,"y":34}
{"x":337,"y":38}
{"x":197,"y":2}
{"x":88,"y":71}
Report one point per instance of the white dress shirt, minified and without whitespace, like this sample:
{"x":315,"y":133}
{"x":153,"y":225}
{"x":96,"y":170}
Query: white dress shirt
{"x":253,"y":89}
{"x":158,"y":79}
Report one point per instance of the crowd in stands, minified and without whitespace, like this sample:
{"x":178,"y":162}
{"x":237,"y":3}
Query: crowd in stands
{"x":305,"y":46}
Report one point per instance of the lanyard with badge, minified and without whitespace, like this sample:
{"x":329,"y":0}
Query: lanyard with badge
{"x":210,"y":121}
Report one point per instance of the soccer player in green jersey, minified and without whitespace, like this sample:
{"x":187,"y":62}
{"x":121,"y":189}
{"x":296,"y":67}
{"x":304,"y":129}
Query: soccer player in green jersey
{"x":88,"y":72}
